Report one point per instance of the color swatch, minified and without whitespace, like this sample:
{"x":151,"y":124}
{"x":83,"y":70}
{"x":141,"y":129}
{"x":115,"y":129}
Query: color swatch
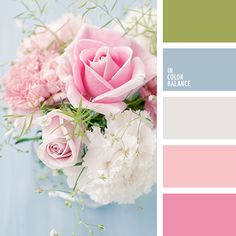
{"x":199,"y":214}
{"x":199,"y":166}
{"x":200,"y":117}
{"x":199,"y":21}
{"x":199,"y":70}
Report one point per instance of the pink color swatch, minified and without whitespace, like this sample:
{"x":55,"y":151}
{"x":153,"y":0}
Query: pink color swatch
{"x":200,"y":166}
{"x":199,"y":215}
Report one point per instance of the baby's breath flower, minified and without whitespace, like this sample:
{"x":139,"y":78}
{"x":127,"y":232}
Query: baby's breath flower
{"x":53,"y":233}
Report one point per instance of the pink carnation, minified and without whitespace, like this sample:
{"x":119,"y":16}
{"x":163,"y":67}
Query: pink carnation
{"x":55,"y":36}
{"x":149,"y":93}
{"x":31,"y":82}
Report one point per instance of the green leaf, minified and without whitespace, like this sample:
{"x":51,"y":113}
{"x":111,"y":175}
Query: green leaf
{"x":83,"y":4}
{"x":114,"y":5}
{"x":109,"y":22}
{"x":23,"y":140}
{"x":19,"y":15}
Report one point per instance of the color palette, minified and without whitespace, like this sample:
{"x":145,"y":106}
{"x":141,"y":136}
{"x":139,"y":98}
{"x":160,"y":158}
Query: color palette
{"x":199,"y":21}
{"x":199,"y":118}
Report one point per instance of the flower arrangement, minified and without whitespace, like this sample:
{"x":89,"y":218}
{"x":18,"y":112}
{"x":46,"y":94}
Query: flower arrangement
{"x":90,"y":92}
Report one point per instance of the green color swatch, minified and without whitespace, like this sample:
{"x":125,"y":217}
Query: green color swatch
{"x":199,"y":20}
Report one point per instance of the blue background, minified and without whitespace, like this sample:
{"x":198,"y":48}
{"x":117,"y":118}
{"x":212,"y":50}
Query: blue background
{"x":26,"y":213}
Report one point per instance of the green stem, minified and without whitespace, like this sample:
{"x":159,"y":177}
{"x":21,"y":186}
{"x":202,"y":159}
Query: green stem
{"x":78,"y":178}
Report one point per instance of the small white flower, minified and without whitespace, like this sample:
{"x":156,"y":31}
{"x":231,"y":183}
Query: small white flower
{"x":62,"y":195}
{"x":9,"y":134}
{"x":53,"y":233}
{"x":43,"y":121}
{"x":152,"y":98}
{"x":139,"y":23}
{"x":19,"y":23}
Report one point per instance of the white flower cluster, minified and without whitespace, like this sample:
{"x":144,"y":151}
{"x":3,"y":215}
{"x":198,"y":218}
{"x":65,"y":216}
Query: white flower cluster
{"x":139,"y":24}
{"x":120,"y":164}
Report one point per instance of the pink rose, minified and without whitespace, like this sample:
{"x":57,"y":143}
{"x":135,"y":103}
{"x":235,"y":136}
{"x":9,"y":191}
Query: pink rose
{"x":60,"y":147}
{"x":102,"y":68}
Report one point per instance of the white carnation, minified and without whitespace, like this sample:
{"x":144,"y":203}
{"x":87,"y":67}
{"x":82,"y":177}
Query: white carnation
{"x":121,"y":164}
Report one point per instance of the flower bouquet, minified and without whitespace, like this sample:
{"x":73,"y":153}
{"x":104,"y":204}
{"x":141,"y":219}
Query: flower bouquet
{"x":88,"y":93}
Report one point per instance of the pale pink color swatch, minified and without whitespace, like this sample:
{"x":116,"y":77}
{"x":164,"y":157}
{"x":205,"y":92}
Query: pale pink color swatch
{"x":199,"y":215}
{"x":200,"y":166}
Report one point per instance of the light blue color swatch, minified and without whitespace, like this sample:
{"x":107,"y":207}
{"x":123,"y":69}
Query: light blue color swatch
{"x":199,"y":70}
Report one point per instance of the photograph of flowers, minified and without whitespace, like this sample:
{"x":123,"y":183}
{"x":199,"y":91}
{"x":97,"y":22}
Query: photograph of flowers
{"x":78,"y":118}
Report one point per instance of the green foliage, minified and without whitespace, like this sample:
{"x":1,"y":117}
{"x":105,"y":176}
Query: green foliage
{"x":23,"y":140}
{"x":101,"y":227}
{"x":135,"y":102}
{"x":143,"y":24}
{"x":83,"y":118}
{"x":33,"y":15}
{"x":26,"y":125}
{"x":135,"y":105}
{"x":35,"y":11}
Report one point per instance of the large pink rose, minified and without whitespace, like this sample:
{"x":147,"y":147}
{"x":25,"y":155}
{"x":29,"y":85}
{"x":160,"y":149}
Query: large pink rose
{"x":60,"y":147}
{"x":102,"y":68}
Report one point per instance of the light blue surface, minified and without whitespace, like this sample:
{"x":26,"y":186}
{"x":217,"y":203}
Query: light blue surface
{"x":25,"y":213}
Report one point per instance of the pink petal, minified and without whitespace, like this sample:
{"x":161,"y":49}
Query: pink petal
{"x":125,"y":72}
{"x":105,"y":67}
{"x":120,"y":93}
{"x":114,"y":38}
{"x":99,"y":66}
{"x":94,"y":83}
{"x":104,"y":108}
{"x":88,"y":56}
{"x":148,"y":59}
{"x":111,"y":68}
{"x":78,"y":67}
{"x":101,"y":52}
